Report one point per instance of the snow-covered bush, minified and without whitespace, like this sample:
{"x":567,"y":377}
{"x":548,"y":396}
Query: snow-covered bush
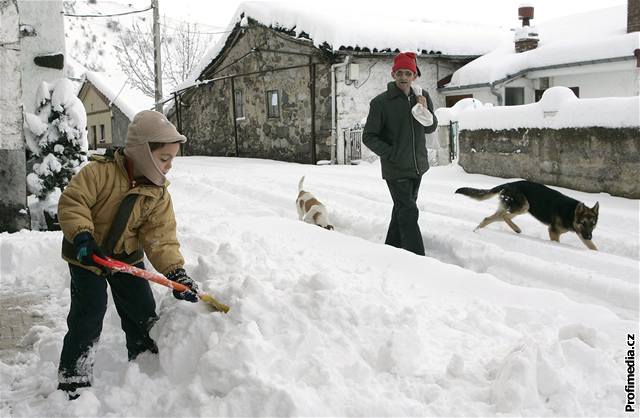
{"x":57,"y":144}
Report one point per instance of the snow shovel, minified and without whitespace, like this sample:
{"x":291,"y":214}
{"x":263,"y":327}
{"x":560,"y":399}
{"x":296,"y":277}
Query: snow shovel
{"x":158,"y":278}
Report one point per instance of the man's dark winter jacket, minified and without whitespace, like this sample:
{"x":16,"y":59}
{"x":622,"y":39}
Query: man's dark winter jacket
{"x":396,"y":136}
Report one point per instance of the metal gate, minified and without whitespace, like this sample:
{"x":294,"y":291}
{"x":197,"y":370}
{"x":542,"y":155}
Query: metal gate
{"x":352,"y":144}
{"x":453,"y":141}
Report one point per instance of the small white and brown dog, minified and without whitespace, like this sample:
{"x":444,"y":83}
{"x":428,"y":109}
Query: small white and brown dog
{"x":310,"y":209}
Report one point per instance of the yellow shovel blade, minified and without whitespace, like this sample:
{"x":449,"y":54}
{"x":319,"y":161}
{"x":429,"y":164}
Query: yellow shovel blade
{"x":218,"y":306}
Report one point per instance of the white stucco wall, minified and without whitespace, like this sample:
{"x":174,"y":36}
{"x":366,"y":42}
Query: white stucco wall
{"x":614,"y":84}
{"x":45,"y":16}
{"x":616,"y":79}
{"x":10,"y":78}
{"x":352,"y":104}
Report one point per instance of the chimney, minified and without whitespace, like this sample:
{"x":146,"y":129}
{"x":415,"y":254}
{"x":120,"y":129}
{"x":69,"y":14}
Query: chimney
{"x":526,"y":37}
{"x":633,"y":16}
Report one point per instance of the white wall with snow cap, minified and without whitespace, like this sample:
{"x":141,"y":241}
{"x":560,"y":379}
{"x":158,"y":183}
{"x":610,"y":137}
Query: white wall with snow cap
{"x":447,"y":115}
{"x":619,"y":79}
{"x":47,"y":20}
{"x":558,"y":108}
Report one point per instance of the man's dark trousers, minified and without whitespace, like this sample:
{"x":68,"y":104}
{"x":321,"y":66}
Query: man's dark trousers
{"x":404,"y":231}
{"x":134,"y":302}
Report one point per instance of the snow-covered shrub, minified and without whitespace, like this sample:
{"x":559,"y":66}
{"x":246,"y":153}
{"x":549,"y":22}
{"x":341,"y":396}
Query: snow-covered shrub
{"x":57,"y":144}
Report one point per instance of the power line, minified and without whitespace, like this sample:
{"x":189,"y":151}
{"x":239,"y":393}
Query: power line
{"x":109,"y":15}
{"x":194,"y":31}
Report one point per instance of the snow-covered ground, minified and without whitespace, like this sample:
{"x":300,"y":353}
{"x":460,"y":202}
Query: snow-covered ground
{"x":334,"y":323}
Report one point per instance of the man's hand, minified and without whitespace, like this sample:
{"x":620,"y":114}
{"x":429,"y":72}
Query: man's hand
{"x":180,"y":276}
{"x":422,"y":100}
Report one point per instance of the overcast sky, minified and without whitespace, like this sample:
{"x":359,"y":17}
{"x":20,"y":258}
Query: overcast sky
{"x":498,"y":12}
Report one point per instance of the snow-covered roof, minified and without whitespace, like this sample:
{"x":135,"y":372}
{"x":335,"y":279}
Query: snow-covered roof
{"x":116,"y":88}
{"x":583,"y":37}
{"x":326,"y":26}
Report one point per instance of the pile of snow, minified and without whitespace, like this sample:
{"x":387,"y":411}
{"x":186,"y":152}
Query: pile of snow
{"x":334,"y":323}
{"x":446,"y":115}
{"x":558,"y":108}
{"x":59,"y":96}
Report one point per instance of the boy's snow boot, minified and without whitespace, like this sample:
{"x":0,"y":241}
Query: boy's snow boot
{"x":72,"y":389}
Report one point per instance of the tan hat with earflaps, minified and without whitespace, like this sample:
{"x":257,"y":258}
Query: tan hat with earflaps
{"x":149,"y":126}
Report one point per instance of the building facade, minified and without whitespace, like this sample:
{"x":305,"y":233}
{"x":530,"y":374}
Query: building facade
{"x":111,"y":105}
{"x":31,"y":51}
{"x":273,"y":91}
{"x":595,"y":54}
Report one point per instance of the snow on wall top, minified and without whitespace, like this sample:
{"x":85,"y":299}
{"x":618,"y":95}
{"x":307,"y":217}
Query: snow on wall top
{"x":596,"y":35}
{"x":558,"y":108}
{"x":129,"y":100}
{"x":362,"y":30}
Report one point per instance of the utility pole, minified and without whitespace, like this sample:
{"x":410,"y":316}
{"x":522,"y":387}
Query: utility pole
{"x":157,"y":61}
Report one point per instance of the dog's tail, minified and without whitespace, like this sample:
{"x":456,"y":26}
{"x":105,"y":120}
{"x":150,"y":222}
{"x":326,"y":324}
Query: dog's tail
{"x":300,"y":184}
{"x":479,"y":194}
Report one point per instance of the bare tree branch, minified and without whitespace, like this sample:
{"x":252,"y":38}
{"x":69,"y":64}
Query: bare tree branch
{"x":182,"y":47}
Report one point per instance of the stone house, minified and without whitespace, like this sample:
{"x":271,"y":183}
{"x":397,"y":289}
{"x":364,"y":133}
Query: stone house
{"x":287,"y":83}
{"x":111,"y":106}
{"x":596,"y":54}
{"x":32,"y":50}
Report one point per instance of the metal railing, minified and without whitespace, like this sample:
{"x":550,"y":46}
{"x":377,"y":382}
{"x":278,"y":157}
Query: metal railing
{"x":352,"y":144}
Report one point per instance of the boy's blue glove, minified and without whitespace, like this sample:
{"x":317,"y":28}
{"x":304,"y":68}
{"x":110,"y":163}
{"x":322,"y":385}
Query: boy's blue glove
{"x":86,"y":247}
{"x":180,"y":276}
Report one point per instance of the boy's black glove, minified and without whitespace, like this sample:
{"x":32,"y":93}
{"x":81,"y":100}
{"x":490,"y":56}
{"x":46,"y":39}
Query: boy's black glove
{"x":180,"y":276}
{"x":86,"y":247}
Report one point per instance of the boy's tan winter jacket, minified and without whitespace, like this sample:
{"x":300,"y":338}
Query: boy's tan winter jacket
{"x":91,"y":200}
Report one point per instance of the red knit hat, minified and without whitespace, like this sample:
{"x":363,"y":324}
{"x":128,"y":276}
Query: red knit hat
{"x":405,"y":61}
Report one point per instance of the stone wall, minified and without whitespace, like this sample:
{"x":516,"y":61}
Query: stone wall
{"x":207,"y":118}
{"x":592,"y":159}
{"x":119,"y":127}
{"x":207,"y":114}
{"x":633,"y":16}
{"x":13,"y":189}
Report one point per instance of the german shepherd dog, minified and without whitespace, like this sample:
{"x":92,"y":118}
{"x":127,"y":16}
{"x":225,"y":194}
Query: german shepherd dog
{"x":560,"y":212}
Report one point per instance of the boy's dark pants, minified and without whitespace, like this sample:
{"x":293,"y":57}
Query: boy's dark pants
{"x":404,"y":231}
{"x":134,"y":302}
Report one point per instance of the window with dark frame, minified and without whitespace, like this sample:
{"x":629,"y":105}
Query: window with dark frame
{"x":273,"y":104}
{"x":239,"y":101}
{"x":514,"y":96}
{"x":102,"y":139}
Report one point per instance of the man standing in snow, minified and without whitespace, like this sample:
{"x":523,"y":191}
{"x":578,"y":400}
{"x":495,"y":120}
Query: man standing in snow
{"x":395,"y":130}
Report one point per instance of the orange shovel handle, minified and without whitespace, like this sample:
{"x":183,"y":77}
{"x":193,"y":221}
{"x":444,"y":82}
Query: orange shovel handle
{"x":138,"y":272}
{"x":158,"y":278}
